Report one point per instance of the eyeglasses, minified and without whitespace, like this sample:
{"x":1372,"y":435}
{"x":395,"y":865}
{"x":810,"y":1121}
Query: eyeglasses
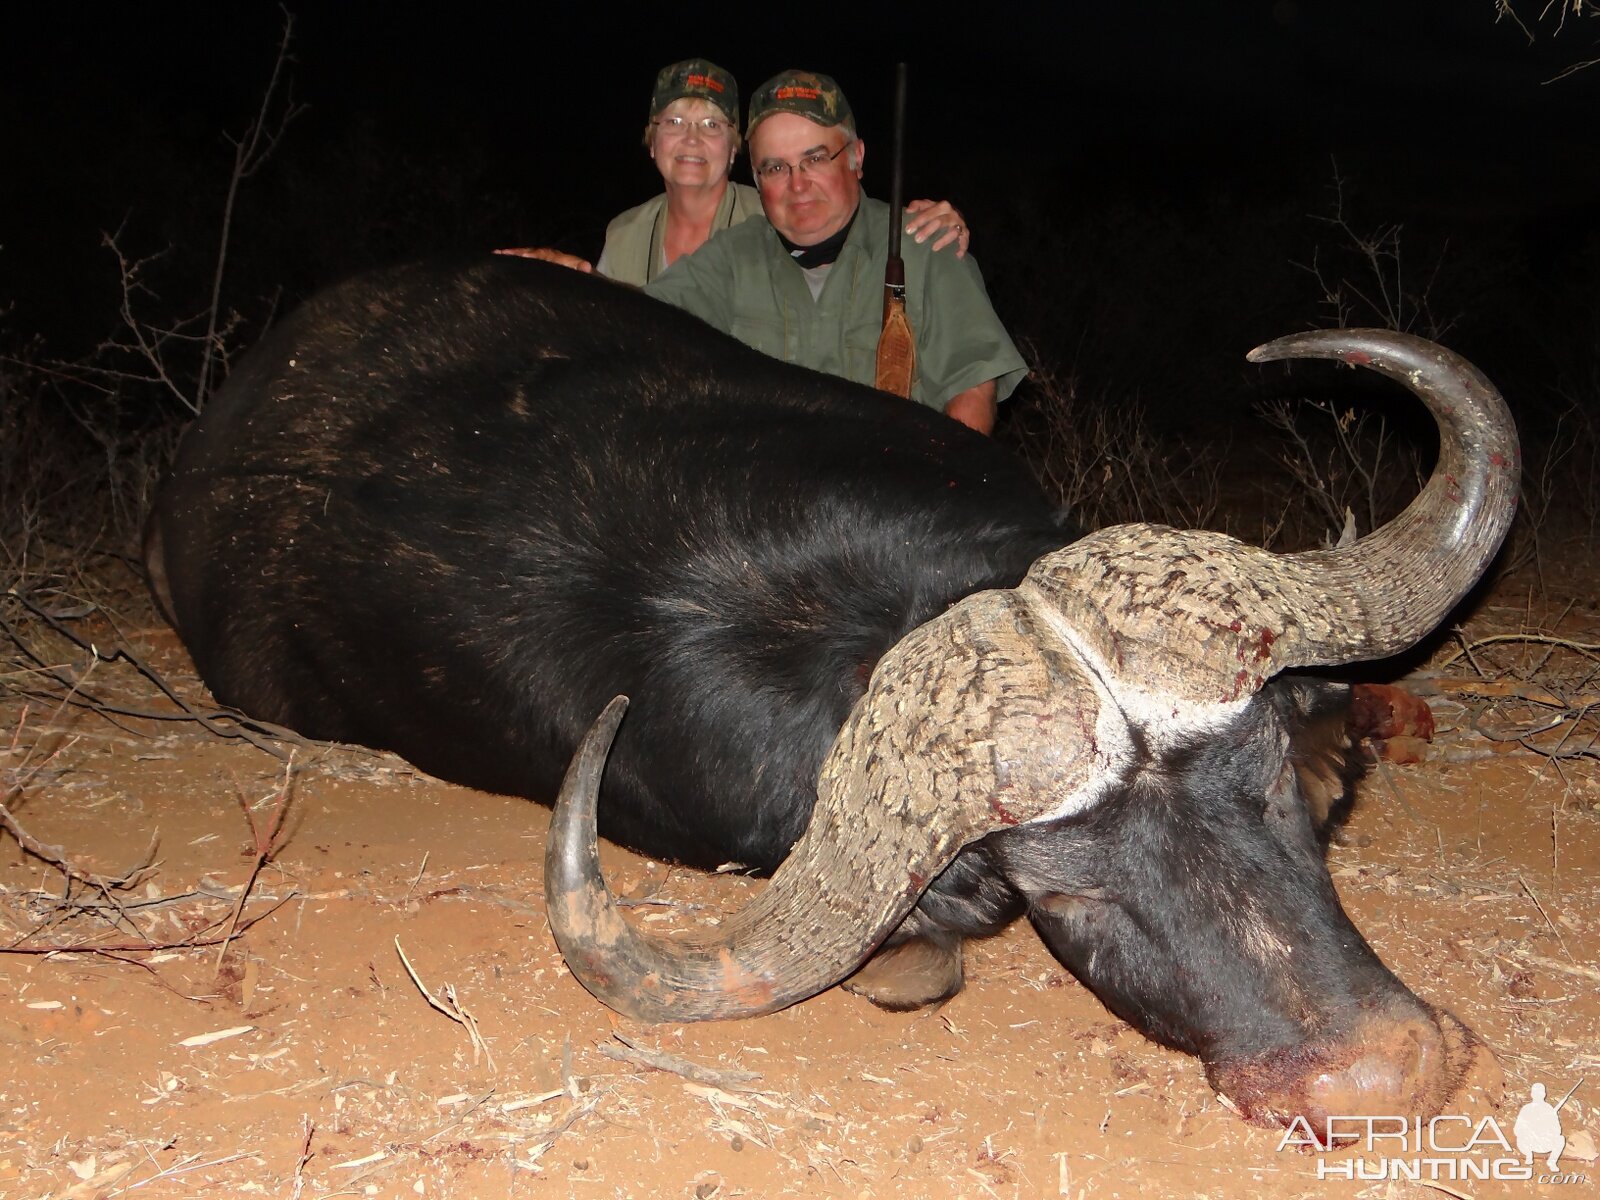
{"x":706,"y":127}
{"x":772,"y":170}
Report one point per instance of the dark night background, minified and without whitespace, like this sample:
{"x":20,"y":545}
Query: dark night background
{"x":1145,"y":181}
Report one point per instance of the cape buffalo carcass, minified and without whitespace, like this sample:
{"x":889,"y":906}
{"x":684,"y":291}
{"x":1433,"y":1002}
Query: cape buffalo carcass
{"x":454,"y":511}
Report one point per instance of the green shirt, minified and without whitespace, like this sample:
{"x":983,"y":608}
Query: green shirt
{"x":744,"y":282}
{"x":634,"y":251}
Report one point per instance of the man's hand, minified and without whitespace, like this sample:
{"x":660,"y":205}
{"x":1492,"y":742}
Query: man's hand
{"x":929,"y":217}
{"x":974,"y":407}
{"x":559,"y":257}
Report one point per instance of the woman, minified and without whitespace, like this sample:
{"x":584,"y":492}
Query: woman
{"x":693,"y":138}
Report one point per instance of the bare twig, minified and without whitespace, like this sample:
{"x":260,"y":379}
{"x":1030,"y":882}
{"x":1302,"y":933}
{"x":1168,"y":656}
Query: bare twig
{"x":1384,"y":293}
{"x":250,"y":150}
{"x":183,"y":1167}
{"x":131,"y":907}
{"x":450,"y":1006}
{"x":57,"y":857}
{"x":420,"y":871}
{"x":630,"y":1051}
{"x":1562,"y":10}
{"x":240,"y":727}
{"x":549,"y":1136}
{"x":1587,"y":649}
{"x":266,"y":841}
{"x":1509,"y":689}
{"x":478,"y":1102}
{"x":1537,"y":903}
{"x":17,"y":783}
{"x":305,"y":1157}
{"x":1099,"y":460}
{"x":1566,"y":968}
{"x":112,"y":949}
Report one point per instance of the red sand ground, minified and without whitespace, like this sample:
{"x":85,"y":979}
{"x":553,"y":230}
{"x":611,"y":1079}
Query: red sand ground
{"x":330,"y":1073}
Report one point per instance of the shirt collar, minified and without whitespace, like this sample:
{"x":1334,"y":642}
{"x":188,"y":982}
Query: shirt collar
{"x":825,"y":251}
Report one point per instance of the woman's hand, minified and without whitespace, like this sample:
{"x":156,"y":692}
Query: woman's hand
{"x":930,"y":217}
{"x":559,"y":257}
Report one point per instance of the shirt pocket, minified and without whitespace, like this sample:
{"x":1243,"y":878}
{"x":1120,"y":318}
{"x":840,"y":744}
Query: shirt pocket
{"x":861,"y":353}
{"x":765,"y":334}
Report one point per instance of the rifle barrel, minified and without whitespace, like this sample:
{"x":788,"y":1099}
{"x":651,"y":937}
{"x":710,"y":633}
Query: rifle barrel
{"x":897,"y":200}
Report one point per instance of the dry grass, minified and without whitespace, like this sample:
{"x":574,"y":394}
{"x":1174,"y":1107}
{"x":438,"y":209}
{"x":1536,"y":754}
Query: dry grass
{"x":1100,"y":461}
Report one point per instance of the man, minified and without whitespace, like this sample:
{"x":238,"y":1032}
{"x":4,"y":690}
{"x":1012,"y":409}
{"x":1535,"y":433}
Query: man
{"x":807,"y":286}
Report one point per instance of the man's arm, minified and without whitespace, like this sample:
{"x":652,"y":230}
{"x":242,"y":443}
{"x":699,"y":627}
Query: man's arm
{"x":974,"y":407}
{"x":966,"y":363}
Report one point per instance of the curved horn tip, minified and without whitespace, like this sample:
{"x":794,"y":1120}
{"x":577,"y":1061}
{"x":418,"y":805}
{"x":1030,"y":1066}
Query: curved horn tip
{"x":1358,"y":347}
{"x":603,"y":731}
{"x":610,"y":717}
{"x":581,"y":785}
{"x":1278,"y":348}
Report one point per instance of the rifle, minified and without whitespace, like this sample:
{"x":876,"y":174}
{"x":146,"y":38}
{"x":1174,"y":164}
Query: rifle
{"x":1568,"y":1096}
{"x":897,"y":352}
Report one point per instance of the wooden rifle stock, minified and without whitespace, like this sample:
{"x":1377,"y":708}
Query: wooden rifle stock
{"x":897,"y":350}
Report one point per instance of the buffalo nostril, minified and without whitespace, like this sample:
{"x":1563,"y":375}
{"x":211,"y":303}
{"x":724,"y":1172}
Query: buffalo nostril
{"x":1370,"y":1084}
{"x":1385,"y":1067}
{"x":1405,"y":1062}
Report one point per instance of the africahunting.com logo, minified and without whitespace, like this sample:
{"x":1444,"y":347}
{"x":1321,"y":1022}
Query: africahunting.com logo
{"x":1444,"y":1148}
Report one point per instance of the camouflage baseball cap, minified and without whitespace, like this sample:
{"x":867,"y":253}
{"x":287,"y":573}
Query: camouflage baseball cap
{"x":698,"y":78}
{"x":813,"y":96}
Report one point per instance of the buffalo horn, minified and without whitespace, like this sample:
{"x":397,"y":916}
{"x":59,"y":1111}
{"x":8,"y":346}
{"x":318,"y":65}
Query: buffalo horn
{"x":1190,"y":618}
{"x":972,"y":722}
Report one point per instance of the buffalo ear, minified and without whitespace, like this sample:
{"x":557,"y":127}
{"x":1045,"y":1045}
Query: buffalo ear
{"x":1324,"y":748}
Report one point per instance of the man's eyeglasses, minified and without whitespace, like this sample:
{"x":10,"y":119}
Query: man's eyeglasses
{"x":706,"y":127}
{"x":772,"y":170}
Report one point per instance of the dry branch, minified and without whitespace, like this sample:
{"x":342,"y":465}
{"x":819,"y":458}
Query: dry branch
{"x":202,"y":891}
{"x":1545,"y":703}
{"x":549,"y":1136}
{"x":450,"y":1006}
{"x":1499,"y":689}
{"x":1467,"y":649}
{"x":1566,"y":968}
{"x":305,"y":1157}
{"x":112,"y":949}
{"x":250,"y":150}
{"x":266,"y":841}
{"x":631,"y":1052}
{"x":183,"y":1167}
{"x":57,"y":856}
{"x":247,"y":729}
{"x":16,"y":782}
